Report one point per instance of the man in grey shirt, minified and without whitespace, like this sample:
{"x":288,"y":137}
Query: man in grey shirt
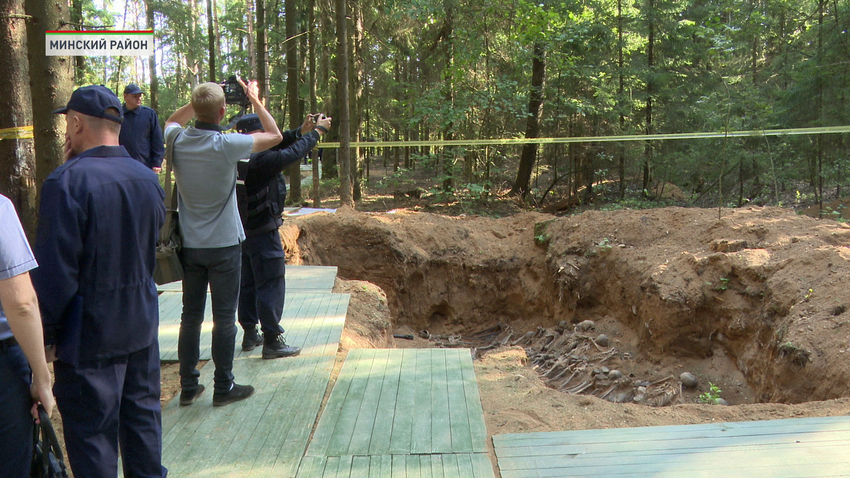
{"x":205,"y":162}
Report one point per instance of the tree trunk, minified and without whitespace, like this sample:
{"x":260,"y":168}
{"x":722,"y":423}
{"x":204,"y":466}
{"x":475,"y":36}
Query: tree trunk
{"x":249,"y":22}
{"x":356,"y":95}
{"x":532,"y":129}
{"x":192,"y":62}
{"x":149,"y":14}
{"x":211,"y":40}
{"x":620,"y":95}
{"x":17,"y":158}
{"x":77,"y":22}
{"x":650,"y":91}
{"x":262,"y":52}
{"x":292,"y":84}
{"x":821,"y":79}
{"x":50,"y":86}
{"x":343,"y":158}
{"x":448,"y":132}
{"x":314,"y":107}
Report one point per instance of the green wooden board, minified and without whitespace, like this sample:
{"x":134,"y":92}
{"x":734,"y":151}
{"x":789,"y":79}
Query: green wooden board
{"x":401,"y":402}
{"x":313,"y":321}
{"x":298,"y":278}
{"x":806,"y":447}
{"x":255,"y":437}
{"x":474,"y":465}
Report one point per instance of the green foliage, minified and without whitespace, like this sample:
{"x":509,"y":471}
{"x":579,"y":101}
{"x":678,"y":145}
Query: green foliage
{"x":601,"y":248}
{"x":461,"y":70}
{"x":712,"y":396}
{"x":541,"y":235}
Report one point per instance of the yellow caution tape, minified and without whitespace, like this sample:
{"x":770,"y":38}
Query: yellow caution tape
{"x":595,"y":139}
{"x":20,"y":132}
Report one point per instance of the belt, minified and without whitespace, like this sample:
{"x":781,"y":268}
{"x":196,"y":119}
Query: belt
{"x":8,"y":343}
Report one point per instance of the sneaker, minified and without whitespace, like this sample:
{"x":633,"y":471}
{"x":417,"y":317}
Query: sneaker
{"x":236,"y":393}
{"x":188,"y":397}
{"x":251,"y":339}
{"x":275,"y":347}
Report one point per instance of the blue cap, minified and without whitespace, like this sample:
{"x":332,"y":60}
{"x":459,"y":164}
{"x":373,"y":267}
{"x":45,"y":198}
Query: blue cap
{"x":132,"y":89}
{"x":94,"y":100}
{"x":248,"y":123}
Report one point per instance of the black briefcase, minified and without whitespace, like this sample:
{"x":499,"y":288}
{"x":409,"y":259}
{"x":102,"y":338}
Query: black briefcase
{"x":47,"y":461}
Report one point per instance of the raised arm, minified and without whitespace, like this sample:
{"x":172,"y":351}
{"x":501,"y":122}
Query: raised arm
{"x":271,"y":135}
{"x":181,"y":116}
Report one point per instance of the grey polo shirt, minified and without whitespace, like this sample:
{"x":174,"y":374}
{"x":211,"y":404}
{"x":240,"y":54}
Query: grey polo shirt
{"x":205,"y":170}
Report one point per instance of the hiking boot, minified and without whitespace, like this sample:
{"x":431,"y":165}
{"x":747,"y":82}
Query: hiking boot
{"x":251,"y":339}
{"x":188,"y":397}
{"x":236,"y":393}
{"x":275,"y":347}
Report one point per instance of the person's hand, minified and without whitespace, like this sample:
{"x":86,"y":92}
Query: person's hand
{"x":309,"y":123}
{"x":67,"y":153}
{"x":323,"y":123}
{"x":251,"y":90}
{"x":42,"y":393}
{"x":156,"y":170}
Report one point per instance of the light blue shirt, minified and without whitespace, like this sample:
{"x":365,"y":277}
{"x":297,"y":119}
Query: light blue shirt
{"x":205,"y":170}
{"x":16,"y":256}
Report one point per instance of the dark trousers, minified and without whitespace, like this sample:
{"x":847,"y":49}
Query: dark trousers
{"x":112,"y":403}
{"x":220,"y":269}
{"x":263,"y":282}
{"x":15,"y":418}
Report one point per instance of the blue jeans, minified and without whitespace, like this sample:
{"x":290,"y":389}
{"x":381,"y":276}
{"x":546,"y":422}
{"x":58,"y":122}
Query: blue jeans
{"x":15,"y":418}
{"x":110,"y":404}
{"x":220,"y":269}
{"x":263,"y":283}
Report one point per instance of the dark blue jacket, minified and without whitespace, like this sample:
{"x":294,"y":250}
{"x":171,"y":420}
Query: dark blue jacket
{"x":142,"y":136}
{"x":99,"y":220}
{"x":262,"y":171}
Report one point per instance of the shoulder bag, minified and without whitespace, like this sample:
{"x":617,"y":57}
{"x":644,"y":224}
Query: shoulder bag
{"x":168,"y":267}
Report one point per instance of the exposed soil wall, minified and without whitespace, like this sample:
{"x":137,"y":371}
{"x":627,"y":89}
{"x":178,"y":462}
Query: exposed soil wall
{"x":756,"y":295}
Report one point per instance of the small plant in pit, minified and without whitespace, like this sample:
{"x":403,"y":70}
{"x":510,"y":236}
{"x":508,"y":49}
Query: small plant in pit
{"x":712,"y":395}
{"x":602,"y":247}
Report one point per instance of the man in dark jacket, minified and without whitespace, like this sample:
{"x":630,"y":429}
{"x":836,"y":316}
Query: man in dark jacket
{"x":98,"y":223}
{"x":260,"y":197}
{"x":140,"y":133}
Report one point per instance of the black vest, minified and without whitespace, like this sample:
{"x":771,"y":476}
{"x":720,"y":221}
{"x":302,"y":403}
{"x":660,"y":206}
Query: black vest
{"x":263,"y":211}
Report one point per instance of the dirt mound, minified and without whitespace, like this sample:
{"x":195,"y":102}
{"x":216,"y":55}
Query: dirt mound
{"x":752,"y":300}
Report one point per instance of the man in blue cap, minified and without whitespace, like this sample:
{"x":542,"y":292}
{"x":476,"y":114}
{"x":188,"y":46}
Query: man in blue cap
{"x":141,"y":134}
{"x":260,"y":197}
{"x":99,"y":219}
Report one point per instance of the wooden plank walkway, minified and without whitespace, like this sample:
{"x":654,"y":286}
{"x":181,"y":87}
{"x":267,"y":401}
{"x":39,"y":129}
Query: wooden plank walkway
{"x":801,"y":447}
{"x":401,"y":413}
{"x":312,"y":320}
{"x":402,"y":401}
{"x":298,"y":278}
{"x":473,"y":465}
{"x":392,"y":413}
{"x":262,"y":436}
{"x":267,"y":434}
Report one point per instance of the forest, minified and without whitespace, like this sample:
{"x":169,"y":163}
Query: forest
{"x":484,"y":98}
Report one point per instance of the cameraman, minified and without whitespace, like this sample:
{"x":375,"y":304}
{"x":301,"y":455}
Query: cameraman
{"x":205,"y":161}
{"x":261,"y":206}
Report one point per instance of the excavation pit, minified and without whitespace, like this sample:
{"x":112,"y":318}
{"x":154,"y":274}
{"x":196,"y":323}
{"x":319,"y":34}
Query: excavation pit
{"x":751,"y":301}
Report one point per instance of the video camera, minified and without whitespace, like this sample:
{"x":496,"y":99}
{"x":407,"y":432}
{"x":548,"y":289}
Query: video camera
{"x":234,"y":94}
